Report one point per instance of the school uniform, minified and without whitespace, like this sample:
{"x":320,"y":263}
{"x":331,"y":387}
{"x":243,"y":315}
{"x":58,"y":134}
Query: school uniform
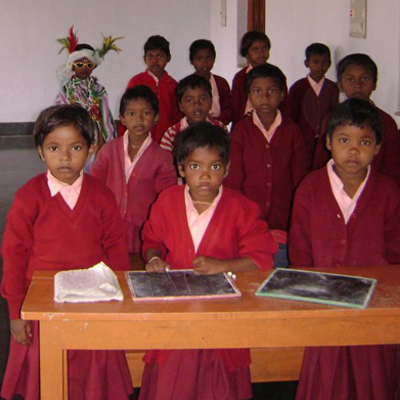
{"x":222,"y":93}
{"x":44,"y":233}
{"x":135,"y":186}
{"x":234,"y":230}
{"x":267,"y":171}
{"x":387,"y":161}
{"x":320,"y":237}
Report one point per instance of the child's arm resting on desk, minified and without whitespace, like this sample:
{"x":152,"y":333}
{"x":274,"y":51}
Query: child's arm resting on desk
{"x":154,"y":261}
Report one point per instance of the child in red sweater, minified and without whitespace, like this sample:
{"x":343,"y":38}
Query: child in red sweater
{"x":202,"y":56}
{"x":268,"y":154}
{"x":358,"y":76}
{"x":194,"y":95}
{"x":181,"y":233}
{"x":134,"y":166}
{"x":311,"y":98}
{"x":156,"y":56}
{"x":255,"y":47}
{"x":347,"y":214}
{"x":62,"y":219}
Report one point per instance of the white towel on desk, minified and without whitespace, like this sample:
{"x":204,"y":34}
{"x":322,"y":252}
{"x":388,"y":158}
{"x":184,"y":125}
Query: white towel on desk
{"x":98,"y":283}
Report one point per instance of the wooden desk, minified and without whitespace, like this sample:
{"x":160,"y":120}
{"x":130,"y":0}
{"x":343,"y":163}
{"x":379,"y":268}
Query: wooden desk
{"x":249,"y":321}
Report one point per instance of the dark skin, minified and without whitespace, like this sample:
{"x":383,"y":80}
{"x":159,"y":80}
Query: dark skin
{"x":21,"y":331}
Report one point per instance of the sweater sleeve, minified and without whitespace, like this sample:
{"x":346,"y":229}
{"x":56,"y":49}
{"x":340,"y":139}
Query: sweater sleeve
{"x":225,"y":101}
{"x":165,"y":176}
{"x":300,"y":159}
{"x":100,"y":167}
{"x":392,"y":228}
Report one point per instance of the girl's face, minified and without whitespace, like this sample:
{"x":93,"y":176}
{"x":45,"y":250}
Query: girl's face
{"x":258,"y":53}
{"x":83,"y":68}
{"x":204,"y":172}
{"x":357,"y":82}
{"x":65,"y":152}
{"x":203,"y":62}
{"x":196,"y":104}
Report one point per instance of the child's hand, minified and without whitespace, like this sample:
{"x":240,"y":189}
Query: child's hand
{"x":156,"y":264}
{"x":21,"y":331}
{"x":208,"y":266}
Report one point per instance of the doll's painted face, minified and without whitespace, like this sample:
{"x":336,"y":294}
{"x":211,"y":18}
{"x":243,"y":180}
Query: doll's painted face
{"x":83,"y":68}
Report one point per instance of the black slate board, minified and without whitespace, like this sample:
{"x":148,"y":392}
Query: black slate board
{"x":179,"y":285}
{"x":318,"y":287}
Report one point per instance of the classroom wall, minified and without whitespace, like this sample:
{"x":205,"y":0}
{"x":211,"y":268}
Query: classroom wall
{"x":29,"y":29}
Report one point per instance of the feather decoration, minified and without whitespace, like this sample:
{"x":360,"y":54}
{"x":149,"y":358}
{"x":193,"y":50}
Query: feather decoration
{"x":109,"y":44}
{"x":70,"y":42}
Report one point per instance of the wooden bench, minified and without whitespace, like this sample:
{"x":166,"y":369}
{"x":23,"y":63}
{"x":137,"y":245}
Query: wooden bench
{"x":268,"y":365}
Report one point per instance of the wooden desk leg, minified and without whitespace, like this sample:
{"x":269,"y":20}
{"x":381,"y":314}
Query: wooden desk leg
{"x":51,"y":364}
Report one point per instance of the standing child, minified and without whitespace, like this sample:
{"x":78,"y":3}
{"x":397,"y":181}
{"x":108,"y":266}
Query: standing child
{"x":81,"y":88}
{"x":133,"y":166}
{"x":202,"y":56}
{"x":181,"y":232}
{"x":62,"y":219}
{"x":347,"y":214}
{"x":268,"y":155}
{"x":255,"y":47}
{"x":358,"y":76}
{"x":311,"y":98}
{"x":195,"y":101}
{"x":156,"y":56}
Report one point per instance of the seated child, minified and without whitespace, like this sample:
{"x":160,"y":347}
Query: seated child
{"x":347,"y":214}
{"x":195,"y":102}
{"x":311,"y":98}
{"x":357,"y":76}
{"x":268,"y":154}
{"x":133,"y":166}
{"x":60,"y":220}
{"x":81,"y":88}
{"x":202,"y":56}
{"x":181,"y":232}
{"x":156,"y":56}
{"x":255,"y":47}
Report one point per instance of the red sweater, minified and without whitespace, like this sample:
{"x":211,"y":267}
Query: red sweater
{"x":153,"y":172}
{"x":308,"y":109}
{"x":268,"y":173}
{"x":168,"y":105}
{"x":225,"y":100}
{"x":43,"y":233}
{"x":239,"y":97}
{"x":387,"y":161}
{"x":319,"y":236}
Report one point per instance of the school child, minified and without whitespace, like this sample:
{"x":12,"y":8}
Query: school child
{"x":268,"y":154}
{"x":156,"y":56}
{"x":358,"y":76}
{"x":134,"y":166}
{"x":181,"y":233}
{"x":60,"y":220}
{"x":81,"y":88}
{"x":194,"y":96}
{"x":202,"y":56}
{"x":312,"y":97}
{"x":347,"y":214}
{"x":255,"y":47}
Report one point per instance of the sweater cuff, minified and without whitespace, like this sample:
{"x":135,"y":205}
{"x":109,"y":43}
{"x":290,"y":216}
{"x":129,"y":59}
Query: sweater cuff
{"x":14,"y":308}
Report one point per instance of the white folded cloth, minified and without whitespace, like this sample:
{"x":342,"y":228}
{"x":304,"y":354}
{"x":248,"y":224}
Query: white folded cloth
{"x":98,"y":283}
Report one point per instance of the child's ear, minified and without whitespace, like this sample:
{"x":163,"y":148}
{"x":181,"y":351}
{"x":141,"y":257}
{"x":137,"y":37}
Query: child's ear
{"x":339,"y":83}
{"x":306,"y":64}
{"x":328,"y":142}
{"x":169,"y":58}
{"x":122,"y":120}
{"x":92,"y":149}
{"x":180,"y":107}
{"x":181,"y":170}
{"x":377,"y":148}
{"x":227,"y":169}
{"x":156,"y":118}
{"x":40,"y":151}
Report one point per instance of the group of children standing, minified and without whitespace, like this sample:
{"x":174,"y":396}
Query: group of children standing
{"x":249,"y":201}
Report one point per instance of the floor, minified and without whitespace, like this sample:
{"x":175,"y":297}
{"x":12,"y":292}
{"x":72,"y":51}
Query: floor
{"x":16,"y":167}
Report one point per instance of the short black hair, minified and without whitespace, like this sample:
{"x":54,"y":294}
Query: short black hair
{"x":192,"y":82}
{"x":201,"y":44}
{"x":82,"y":46}
{"x":138,"y":92}
{"x":356,"y":112}
{"x":359,"y":59}
{"x":64,"y":115}
{"x":249,"y":38}
{"x":202,"y":134}
{"x":266,"y":71}
{"x":157,"y":42}
{"x":319,"y":49}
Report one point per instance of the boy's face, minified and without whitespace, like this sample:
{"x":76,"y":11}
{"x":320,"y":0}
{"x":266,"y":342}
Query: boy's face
{"x":204,"y":172}
{"x":65,"y":153}
{"x":318,"y":65}
{"x":195,"y":104}
{"x":156,"y":60}
{"x":265,"y":95}
{"x":357,"y":82}
{"x":258,"y":53}
{"x":83,"y":68}
{"x":203,"y":62}
{"x":353,"y":149}
{"x":139,"y":118}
